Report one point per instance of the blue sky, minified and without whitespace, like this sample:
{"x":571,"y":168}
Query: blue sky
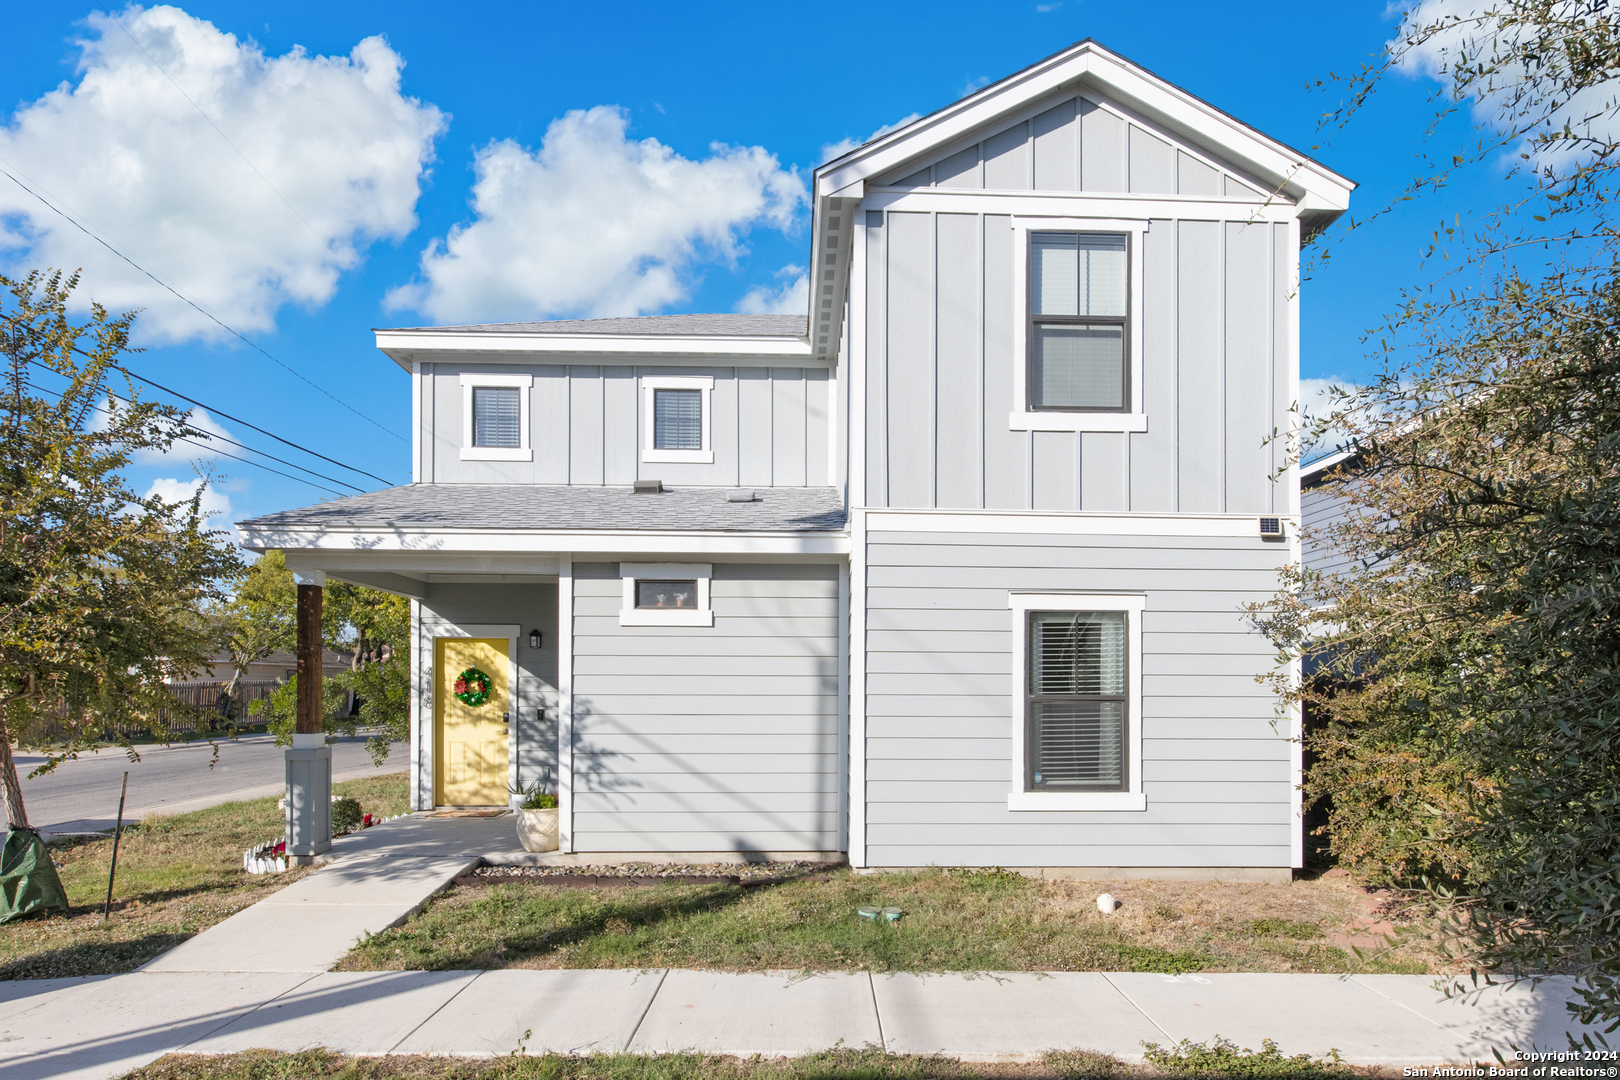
{"x":300,"y":208}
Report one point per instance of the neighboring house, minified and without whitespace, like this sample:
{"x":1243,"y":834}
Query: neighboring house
{"x":950,"y":574}
{"x":277,"y":665}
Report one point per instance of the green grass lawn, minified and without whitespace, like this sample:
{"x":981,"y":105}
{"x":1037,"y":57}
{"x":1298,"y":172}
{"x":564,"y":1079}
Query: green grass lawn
{"x":955,"y":921}
{"x":177,"y":875}
{"x":1186,"y":1060}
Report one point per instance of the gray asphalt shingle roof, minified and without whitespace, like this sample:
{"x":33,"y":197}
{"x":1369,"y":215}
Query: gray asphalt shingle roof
{"x":716,"y":325}
{"x":545,"y":506}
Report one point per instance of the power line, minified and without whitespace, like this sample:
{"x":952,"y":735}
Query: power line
{"x":195,"y":306}
{"x":216,"y":128}
{"x":228,"y":416}
{"x":234,"y":457}
{"x":255,"y":427}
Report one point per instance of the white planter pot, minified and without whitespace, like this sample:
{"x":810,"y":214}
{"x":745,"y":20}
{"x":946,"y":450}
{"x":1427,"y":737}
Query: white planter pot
{"x":537,"y":829}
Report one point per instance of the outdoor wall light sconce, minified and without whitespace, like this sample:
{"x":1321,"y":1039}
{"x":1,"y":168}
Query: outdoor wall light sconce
{"x":534,"y":639}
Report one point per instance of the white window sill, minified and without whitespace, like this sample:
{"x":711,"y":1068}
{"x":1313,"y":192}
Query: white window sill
{"x":665,"y":617}
{"x":1076,"y":421}
{"x":1076,"y":800}
{"x":496,"y":453}
{"x":692,"y":457}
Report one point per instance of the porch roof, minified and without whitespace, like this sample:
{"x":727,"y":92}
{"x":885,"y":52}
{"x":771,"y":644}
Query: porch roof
{"x":550,"y":506}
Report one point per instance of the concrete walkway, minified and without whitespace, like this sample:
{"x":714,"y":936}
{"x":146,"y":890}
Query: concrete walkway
{"x":100,"y":1027}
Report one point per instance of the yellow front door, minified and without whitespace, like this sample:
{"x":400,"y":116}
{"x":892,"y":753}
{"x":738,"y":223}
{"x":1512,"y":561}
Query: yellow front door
{"x":472,"y":738}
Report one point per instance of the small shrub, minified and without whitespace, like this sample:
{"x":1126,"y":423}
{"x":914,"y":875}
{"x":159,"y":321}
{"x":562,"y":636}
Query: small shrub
{"x":1224,"y":1058}
{"x":1082,"y":1064}
{"x":1298,"y":931}
{"x":346,"y":815}
{"x":539,"y":800}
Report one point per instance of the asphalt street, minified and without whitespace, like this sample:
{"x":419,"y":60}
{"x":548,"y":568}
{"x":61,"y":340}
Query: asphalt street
{"x":82,"y":795}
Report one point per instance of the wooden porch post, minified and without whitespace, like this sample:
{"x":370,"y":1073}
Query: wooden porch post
{"x":309,"y":762}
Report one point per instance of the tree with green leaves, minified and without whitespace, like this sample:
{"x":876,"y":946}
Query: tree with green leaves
{"x":101,"y":589}
{"x":374,"y":628}
{"x":1465,"y":668}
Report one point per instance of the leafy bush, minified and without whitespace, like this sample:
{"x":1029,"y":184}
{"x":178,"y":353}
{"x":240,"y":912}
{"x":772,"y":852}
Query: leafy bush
{"x":346,"y":815}
{"x":1225,"y":1058}
{"x":539,"y":800}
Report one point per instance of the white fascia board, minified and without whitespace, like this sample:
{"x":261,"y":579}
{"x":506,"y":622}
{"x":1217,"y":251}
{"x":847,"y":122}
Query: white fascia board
{"x":1067,"y":523}
{"x":1317,"y":187}
{"x":1312,"y":470}
{"x":1081,"y":204}
{"x":415,"y":343}
{"x":484,"y":541}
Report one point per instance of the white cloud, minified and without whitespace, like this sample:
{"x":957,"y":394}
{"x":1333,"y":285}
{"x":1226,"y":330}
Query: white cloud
{"x":843,"y":146}
{"x":190,"y":451}
{"x":792,"y":297}
{"x":215,"y":504}
{"x":595,"y":224}
{"x":1594,"y":110}
{"x":125,"y":153}
{"x":1317,"y":402}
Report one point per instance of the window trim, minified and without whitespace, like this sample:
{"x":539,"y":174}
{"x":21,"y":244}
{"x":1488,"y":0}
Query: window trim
{"x":524,"y":451}
{"x":1132,"y":605}
{"x":1022,"y":417}
{"x":704,"y":384}
{"x":630,"y":615}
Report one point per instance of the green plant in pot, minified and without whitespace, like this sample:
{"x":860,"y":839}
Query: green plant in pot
{"x":537,"y":820}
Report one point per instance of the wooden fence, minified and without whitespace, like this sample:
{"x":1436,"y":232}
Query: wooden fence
{"x":202,"y":708}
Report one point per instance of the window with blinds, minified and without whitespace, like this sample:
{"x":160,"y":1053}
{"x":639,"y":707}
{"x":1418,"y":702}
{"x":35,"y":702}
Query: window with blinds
{"x":1079,"y":307}
{"x":1075,"y":705}
{"x":497,"y":414}
{"x":678,"y":419}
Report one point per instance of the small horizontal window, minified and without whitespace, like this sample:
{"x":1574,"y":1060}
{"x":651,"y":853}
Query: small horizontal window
{"x":497,"y":416}
{"x":667,"y":594}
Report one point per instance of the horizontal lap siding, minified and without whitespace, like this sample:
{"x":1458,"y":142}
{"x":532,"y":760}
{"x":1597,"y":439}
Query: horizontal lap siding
{"x":1216,"y":771}
{"x":720,"y":738}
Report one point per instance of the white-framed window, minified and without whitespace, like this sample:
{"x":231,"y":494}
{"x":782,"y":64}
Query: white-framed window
{"x":495,"y":417}
{"x":676,"y":422}
{"x":1077,"y":701}
{"x":666,"y":594}
{"x":1077,"y":325}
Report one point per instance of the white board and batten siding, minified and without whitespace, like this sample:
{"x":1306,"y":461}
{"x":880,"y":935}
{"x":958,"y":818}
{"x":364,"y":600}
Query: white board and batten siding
{"x":710,"y":739}
{"x":1217,"y":770}
{"x":769,"y":426}
{"x":942,"y":283}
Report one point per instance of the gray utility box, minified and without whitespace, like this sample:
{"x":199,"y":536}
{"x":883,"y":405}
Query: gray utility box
{"x":309,"y":803}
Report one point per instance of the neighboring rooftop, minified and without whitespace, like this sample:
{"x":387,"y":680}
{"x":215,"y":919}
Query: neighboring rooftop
{"x":545,"y":506}
{"x":715,"y":325}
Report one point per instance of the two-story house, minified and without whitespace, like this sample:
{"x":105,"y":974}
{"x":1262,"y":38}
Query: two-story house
{"x":946,"y":571}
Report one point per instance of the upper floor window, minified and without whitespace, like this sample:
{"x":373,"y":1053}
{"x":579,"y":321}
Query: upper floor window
{"x":676,"y":422}
{"x":1079,"y":322}
{"x":495,"y":417}
{"x":677,"y":419}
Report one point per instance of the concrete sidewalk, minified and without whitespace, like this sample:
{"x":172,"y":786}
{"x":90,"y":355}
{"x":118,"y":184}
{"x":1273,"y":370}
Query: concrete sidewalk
{"x":100,"y":1027}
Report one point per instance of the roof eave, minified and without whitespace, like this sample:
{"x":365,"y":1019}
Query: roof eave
{"x":1314,"y":187}
{"x":406,"y":346}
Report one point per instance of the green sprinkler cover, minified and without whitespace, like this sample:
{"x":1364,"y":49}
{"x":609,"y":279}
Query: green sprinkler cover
{"x":28,"y":881}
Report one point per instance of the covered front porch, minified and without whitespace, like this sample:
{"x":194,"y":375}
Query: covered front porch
{"x":683,"y":692}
